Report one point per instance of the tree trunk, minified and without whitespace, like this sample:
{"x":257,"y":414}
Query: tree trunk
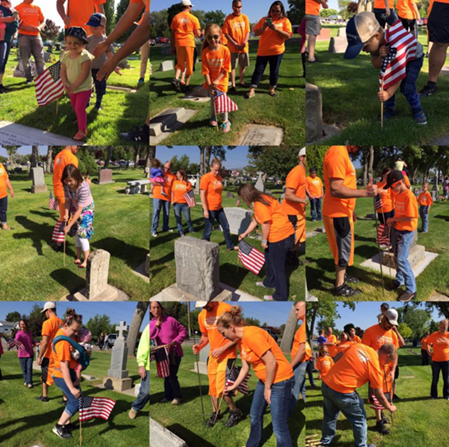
{"x":34,"y":157}
{"x":365,"y":170}
{"x":371,"y":160}
{"x":136,"y":156}
{"x":208,"y":155}
{"x":150,"y":156}
{"x":202,"y":166}
{"x":289,"y":331}
{"x":312,"y":319}
{"x":49,"y":159}
{"x":108,"y":157}
{"x":134,"y":327}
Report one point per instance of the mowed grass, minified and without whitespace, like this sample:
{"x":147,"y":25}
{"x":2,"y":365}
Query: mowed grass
{"x":186,"y":420}
{"x":121,"y":111}
{"x":286,"y":111}
{"x":321,"y":270}
{"x":418,"y":420}
{"x":232,"y":272}
{"x":31,"y":270}
{"x":349,"y":91}
{"x":27,"y":422}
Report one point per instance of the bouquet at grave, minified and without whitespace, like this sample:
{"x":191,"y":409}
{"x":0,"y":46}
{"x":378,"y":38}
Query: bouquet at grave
{"x":52,"y":202}
{"x":251,"y":258}
{"x":190,"y":198}
{"x":48,"y":85}
{"x":95,"y":407}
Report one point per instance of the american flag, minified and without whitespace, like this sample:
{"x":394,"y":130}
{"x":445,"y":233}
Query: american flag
{"x":251,"y":258}
{"x":162,"y":362}
{"x":49,"y":85}
{"x":223,"y":103}
{"x":233,"y":375}
{"x":382,"y":235}
{"x":190,"y":198}
{"x":58,"y":235}
{"x":386,"y":61}
{"x":95,"y":407}
{"x":52,"y":202}
{"x":377,"y":405}
{"x":14,"y":343}
{"x":378,"y":204}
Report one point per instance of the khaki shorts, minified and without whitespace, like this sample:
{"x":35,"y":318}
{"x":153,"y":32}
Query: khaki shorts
{"x":313,"y":25}
{"x":242,"y":58}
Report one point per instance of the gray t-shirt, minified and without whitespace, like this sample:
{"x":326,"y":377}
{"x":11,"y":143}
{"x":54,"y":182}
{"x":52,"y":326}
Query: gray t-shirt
{"x":98,"y":62}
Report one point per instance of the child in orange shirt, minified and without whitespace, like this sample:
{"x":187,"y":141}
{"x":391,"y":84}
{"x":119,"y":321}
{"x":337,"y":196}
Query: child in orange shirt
{"x":5,"y":184}
{"x":425,"y":202}
{"x":324,"y":362}
{"x":216,"y":65}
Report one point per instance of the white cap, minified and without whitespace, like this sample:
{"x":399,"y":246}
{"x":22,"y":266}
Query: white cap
{"x":186,"y":3}
{"x":302,"y":152}
{"x":392,"y":316}
{"x":48,"y":305}
{"x":201,"y":303}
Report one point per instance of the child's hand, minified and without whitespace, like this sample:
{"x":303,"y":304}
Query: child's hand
{"x":383,"y":96}
{"x":387,"y":12}
{"x":67,"y":86}
{"x":118,"y":71}
{"x":384,"y":50}
{"x":67,"y":229}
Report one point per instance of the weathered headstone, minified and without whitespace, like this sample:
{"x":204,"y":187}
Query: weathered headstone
{"x":38,"y":180}
{"x":338,"y":45}
{"x":434,"y":195}
{"x":166,"y":66}
{"x":202,"y":363}
{"x":162,"y":437}
{"x":117,"y":378}
{"x":198,"y":94}
{"x":97,"y":273}
{"x":314,"y":115}
{"x":105,"y":176}
{"x":341,"y":32}
{"x":261,"y":135}
{"x":260,"y":183}
{"x":166,"y":50}
{"x":238,"y":219}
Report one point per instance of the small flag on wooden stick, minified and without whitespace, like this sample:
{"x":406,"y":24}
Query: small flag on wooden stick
{"x":251,"y":258}
{"x":48,"y":85}
{"x":223,"y":103}
{"x":190,"y":198}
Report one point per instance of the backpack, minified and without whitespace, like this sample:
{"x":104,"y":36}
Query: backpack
{"x":84,"y":359}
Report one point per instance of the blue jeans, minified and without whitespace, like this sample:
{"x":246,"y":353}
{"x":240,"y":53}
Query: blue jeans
{"x":275,"y":257}
{"x":404,"y":272}
{"x":144,"y":394}
{"x":26,"y":363}
{"x":5,"y":48}
{"x":3,"y":209}
{"x":100,"y":86}
{"x":315,"y":208}
{"x":172,"y":389}
{"x":423,"y":212}
{"x":73,"y":403}
{"x":159,"y":205}
{"x":351,"y":405}
{"x":184,"y":208}
{"x":261,"y":65}
{"x":300,"y":384}
{"x":436,"y":368}
{"x":281,"y":395}
{"x":221,"y":217}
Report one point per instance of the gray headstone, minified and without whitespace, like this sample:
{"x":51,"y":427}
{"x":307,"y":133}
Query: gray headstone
{"x":338,"y":45}
{"x":261,"y":135}
{"x":198,"y":92}
{"x":97,"y":272}
{"x":239,"y":219}
{"x":37,"y":175}
{"x":166,"y":66}
{"x":198,"y":267}
{"x":202,"y":363}
{"x":230,"y":195}
{"x":260,"y":183}
{"x":341,"y":32}
{"x":119,"y":355}
{"x":105,"y":176}
{"x":434,"y":195}
{"x":162,"y":437}
{"x":314,"y":115}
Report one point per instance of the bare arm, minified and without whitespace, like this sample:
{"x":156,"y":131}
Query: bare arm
{"x":100,"y":8}
{"x":383,"y":400}
{"x":8,"y":184}
{"x":61,"y":11}
{"x":265,"y":232}
{"x":204,"y":341}
{"x":249,"y":230}
{"x":299,"y":357}
{"x":343,"y":192}
{"x":290,"y":195}
{"x":43,"y":347}
{"x":270,"y":364}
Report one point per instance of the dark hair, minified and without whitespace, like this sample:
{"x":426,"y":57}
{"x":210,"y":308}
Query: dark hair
{"x":72,"y":172}
{"x":25,"y":322}
{"x":250,"y":194}
{"x":236,"y":1}
{"x":160,"y":305}
{"x":72,"y":316}
{"x":156,"y":163}
{"x":277,"y":4}
{"x":385,"y":170}
{"x":183,"y":174}
{"x":313,"y":169}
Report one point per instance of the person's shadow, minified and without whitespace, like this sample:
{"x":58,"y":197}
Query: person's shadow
{"x":38,"y":233}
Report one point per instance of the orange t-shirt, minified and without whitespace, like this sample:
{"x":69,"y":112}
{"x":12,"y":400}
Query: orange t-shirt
{"x":254,"y":345}
{"x":280,"y":227}
{"x":332,"y":349}
{"x":440,"y":344}
{"x":315,"y":186}
{"x":214,"y":63}
{"x":380,"y":4}
{"x":406,"y":10}
{"x":356,"y":339}
{"x":49,"y":328}
{"x":80,"y":11}
{"x":63,"y":159}
{"x":344,"y":346}
{"x":312,"y":8}
{"x":237,"y":27}
{"x":338,"y":165}
{"x":207,"y":322}
{"x":375,"y":337}
{"x":308,"y":355}
{"x":3,"y":177}
{"x":183,"y":25}
{"x":324,"y":364}
{"x":387,"y":198}
{"x":359,"y":365}
{"x":270,"y":42}
{"x":63,"y":350}
{"x":424,"y":343}
{"x":406,"y":205}
{"x":300,"y":338}
{"x":29,"y":14}
{"x":296,"y":180}
{"x":179,"y":188}
{"x":213,"y":186}
{"x":425,"y":199}
{"x":157,"y":189}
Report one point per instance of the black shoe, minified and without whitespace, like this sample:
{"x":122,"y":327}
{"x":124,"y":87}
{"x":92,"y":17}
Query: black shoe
{"x":213,"y":419}
{"x":61,"y":432}
{"x":406,"y":297}
{"x":351,"y":279}
{"x":68,"y":428}
{"x":380,"y":427}
{"x":43,"y":399}
{"x":29,"y":81}
{"x":140,"y":135}
{"x":232,"y":91}
{"x":427,"y":91}
{"x":176,"y":85}
{"x":393,"y":287}
{"x":234,"y":418}
{"x":346,"y":291}
{"x":396,"y":397}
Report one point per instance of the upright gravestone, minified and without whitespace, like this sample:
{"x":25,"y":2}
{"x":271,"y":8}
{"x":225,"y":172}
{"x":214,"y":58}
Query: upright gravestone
{"x":97,"y":273}
{"x":166,"y":66}
{"x":314,"y":116}
{"x":238,"y":219}
{"x":202,"y":363}
{"x":117,"y":378}
{"x":105,"y":176}
{"x":197,"y":184}
{"x":38,"y":180}
{"x":260,"y":183}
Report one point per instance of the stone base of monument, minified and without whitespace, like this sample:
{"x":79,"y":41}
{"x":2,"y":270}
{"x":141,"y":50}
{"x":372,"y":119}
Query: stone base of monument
{"x":168,"y":122}
{"x":39,"y":188}
{"x":260,"y":135}
{"x":121,"y":89}
{"x":112,"y":383}
{"x":445,"y":71}
{"x":338,"y":45}
{"x":197,"y":94}
{"x":110,"y":294}
{"x":161,"y":437}
{"x":435,"y":297}
{"x":174,"y":293}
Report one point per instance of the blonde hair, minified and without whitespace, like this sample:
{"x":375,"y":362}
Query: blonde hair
{"x":208,"y":32}
{"x":233,"y":316}
{"x":215,"y":161}
{"x":322,"y":350}
{"x":389,"y":350}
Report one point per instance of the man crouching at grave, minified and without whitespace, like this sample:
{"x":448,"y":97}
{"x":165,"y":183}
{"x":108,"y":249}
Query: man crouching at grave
{"x":220,"y":361}
{"x":359,"y":365}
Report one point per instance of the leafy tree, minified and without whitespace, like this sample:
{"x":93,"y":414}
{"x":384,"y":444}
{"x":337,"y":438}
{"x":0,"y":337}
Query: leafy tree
{"x":273,"y":161}
{"x":416,"y":319}
{"x":405,"y":331}
{"x":98,"y":324}
{"x":13,"y":317}
{"x":159,"y":26}
{"x":87,"y":165}
{"x":35,"y":320}
{"x":328,"y":13}
{"x":296,"y":11}
{"x":181,"y":163}
{"x":109,"y":13}
{"x":249,"y":321}
{"x":217,"y":17}
{"x":315,"y":159}
{"x":11,"y":152}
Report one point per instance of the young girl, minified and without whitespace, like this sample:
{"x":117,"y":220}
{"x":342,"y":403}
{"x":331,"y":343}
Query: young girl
{"x":80,"y":203}
{"x":76,"y":75}
{"x":324,"y":362}
{"x":216,"y":65}
{"x":157,"y":176}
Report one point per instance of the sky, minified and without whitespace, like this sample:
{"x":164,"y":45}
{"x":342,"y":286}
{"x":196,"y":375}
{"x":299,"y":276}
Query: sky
{"x":24,"y":150}
{"x":255,"y":10}
{"x":116,"y":311}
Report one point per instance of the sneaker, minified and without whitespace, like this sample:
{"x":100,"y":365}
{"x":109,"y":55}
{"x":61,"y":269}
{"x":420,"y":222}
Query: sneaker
{"x":69,"y":428}
{"x":268,"y":298}
{"x":427,"y":91}
{"x":213,"y":419}
{"x":232,"y":91}
{"x":61,"y":432}
{"x":226,"y":127}
{"x":261,"y":284}
{"x":153,"y":235}
{"x":24,"y":383}
{"x":406,"y":297}
{"x":345,"y":290}
{"x":176,"y":85}
{"x":140,"y":134}
{"x":42,"y":398}
{"x":169,"y":230}
{"x":97,"y":107}
{"x":181,"y":233}
{"x":132,"y":413}
{"x":349,"y":278}
{"x":176,"y":401}
{"x":420,"y":118}
{"x":380,"y":427}
{"x":164,"y":400}
{"x":234,"y":418}
{"x":30,"y":385}
{"x":29,"y":81}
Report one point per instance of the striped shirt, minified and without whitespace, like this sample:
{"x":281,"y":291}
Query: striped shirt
{"x":408,"y":49}
{"x":80,"y":197}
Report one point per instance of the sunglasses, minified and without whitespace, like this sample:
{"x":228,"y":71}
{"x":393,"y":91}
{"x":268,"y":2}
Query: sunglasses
{"x":215,"y":36}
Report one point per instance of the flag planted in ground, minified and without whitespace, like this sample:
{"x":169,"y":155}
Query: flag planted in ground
{"x":95,"y":407}
{"x":52,"y":202}
{"x":251,"y":258}
{"x":232,"y":377}
{"x":48,"y":85}
{"x":58,"y":235}
{"x":377,"y":405}
{"x":190,"y":198}
{"x":223,"y":103}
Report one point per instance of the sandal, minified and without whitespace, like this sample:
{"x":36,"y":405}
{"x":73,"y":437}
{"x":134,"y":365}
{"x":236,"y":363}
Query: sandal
{"x":273,"y":93}
{"x":250,"y":95}
{"x":213,"y":123}
{"x":81,"y":266}
{"x":80,"y":135}
{"x":77,"y":261}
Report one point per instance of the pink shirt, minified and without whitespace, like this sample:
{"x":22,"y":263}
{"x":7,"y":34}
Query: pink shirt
{"x":26,"y":338}
{"x":170,"y":330}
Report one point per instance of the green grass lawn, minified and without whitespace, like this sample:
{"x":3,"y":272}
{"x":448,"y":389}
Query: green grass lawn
{"x":418,"y":420}
{"x":186,"y":421}
{"x":121,"y":111}
{"x":31,"y":270}
{"x":349,"y":90}
{"x":163,"y":267}
{"x":262,"y":109}
{"x":26,"y":422}
{"x":321,"y":270}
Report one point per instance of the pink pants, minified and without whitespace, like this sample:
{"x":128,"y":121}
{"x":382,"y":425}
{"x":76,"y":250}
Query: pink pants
{"x":79,"y":102}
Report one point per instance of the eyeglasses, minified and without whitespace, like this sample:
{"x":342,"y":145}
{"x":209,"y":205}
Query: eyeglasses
{"x":215,"y":36}
{"x":237,"y":7}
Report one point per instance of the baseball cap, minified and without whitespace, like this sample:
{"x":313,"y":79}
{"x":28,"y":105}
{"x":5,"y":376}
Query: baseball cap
{"x":393,"y":177}
{"x":359,"y":30}
{"x":78,"y":32}
{"x":48,"y":305}
{"x":392,"y":316}
{"x":302,"y":152}
{"x":313,"y":170}
{"x":201,"y":303}
{"x":186,"y":3}
{"x":96,"y":19}
{"x":385,"y":305}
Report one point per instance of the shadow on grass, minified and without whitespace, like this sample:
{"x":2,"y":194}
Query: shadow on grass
{"x":38,"y":233}
{"x":48,"y":214}
{"x":441,"y":216}
{"x":186,"y":435}
{"x":131,"y":254}
{"x":73,"y":283}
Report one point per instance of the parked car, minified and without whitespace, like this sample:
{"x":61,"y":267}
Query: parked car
{"x":152,"y":42}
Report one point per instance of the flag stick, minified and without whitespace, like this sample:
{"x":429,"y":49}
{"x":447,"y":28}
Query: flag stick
{"x":65,"y":236}
{"x":382,"y":106}
{"x":57,"y":104}
{"x":222,"y":396}
{"x":215,"y":110}
{"x":391,"y":394}
{"x":378,"y":247}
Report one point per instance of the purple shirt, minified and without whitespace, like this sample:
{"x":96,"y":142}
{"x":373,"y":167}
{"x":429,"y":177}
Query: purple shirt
{"x":26,"y":338}
{"x":170,"y":330}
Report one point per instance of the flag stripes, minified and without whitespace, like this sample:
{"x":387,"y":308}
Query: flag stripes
{"x":162,"y":363}
{"x":382,"y":235}
{"x":48,"y":85}
{"x":58,"y":235}
{"x":223,"y":103}
{"x":378,"y":204}
{"x":190,"y":198}
{"x":95,"y":407}
{"x":251,"y":258}
{"x":377,"y":405}
{"x":14,"y":343}
{"x":233,"y":375}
